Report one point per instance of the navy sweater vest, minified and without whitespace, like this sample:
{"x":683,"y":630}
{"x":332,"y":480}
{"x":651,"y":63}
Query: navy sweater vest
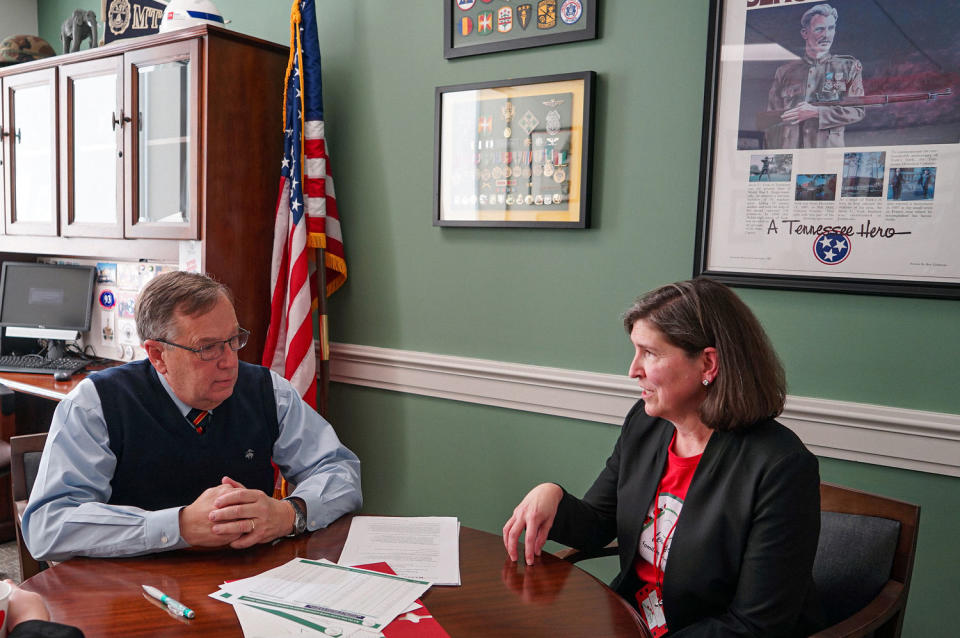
{"x":161,"y":460}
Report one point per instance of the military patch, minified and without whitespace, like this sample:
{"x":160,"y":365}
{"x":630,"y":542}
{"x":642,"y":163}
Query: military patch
{"x":466,"y":5}
{"x":484,"y":124}
{"x":570,"y":11}
{"x":523,"y":15}
{"x":485,"y":22}
{"x":528,"y":122}
{"x":504,"y":19}
{"x":546,"y":14}
{"x":466,"y":25}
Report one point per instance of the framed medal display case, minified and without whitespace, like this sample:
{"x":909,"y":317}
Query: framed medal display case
{"x":514,"y":152}
{"x":479,"y":26}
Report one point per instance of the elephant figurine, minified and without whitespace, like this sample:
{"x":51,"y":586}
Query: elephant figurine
{"x":82,"y":24}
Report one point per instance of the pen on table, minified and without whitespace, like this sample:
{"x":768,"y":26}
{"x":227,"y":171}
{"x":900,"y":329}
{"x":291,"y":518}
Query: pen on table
{"x":176,"y":607}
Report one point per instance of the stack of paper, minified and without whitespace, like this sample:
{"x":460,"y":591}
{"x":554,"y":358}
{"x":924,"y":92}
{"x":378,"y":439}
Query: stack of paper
{"x":306,"y":596}
{"x":422,"y":548}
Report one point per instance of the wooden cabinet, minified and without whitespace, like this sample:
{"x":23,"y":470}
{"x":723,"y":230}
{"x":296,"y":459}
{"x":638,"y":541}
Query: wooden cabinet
{"x":168,"y":139}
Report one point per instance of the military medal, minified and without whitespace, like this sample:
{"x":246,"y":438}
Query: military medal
{"x":507,"y":111}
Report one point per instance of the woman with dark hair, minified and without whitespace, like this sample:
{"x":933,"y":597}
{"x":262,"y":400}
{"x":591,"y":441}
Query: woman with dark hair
{"x":702,"y":439}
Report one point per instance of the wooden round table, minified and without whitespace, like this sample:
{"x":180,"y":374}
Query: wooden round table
{"x":103,"y":597}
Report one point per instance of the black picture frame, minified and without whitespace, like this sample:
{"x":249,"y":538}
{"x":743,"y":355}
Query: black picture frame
{"x":462,"y":35}
{"x":754,"y":233}
{"x":514,"y":153}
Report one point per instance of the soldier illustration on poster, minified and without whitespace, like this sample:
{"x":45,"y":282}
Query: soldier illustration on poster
{"x":843,"y":73}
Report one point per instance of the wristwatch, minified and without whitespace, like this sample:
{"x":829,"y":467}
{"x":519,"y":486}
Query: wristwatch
{"x":299,"y":516}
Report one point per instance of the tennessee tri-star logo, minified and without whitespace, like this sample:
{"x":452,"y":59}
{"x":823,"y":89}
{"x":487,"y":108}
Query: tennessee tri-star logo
{"x":831,"y":248}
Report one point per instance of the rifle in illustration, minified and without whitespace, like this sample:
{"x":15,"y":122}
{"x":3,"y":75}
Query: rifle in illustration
{"x":767,"y":119}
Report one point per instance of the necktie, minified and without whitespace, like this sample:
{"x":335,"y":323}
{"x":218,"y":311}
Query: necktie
{"x":199,"y":419}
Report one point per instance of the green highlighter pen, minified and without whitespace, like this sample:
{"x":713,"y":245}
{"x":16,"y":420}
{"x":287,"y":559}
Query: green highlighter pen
{"x":176,"y":607}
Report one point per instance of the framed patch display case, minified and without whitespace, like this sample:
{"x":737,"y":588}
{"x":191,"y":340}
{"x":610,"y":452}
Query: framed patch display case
{"x":514,"y":152}
{"x":482,"y":26}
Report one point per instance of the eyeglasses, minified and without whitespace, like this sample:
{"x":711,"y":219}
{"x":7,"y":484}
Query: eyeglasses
{"x":214,"y":350}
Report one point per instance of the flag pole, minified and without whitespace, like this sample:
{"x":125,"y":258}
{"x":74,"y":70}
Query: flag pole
{"x":323,"y":361}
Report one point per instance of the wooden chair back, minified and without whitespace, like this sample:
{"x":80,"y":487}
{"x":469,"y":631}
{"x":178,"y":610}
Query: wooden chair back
{"x":25,"y":454}
{"x":883,"y":616}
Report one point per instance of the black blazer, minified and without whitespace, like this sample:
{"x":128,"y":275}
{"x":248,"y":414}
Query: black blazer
{"x":741,"y":557}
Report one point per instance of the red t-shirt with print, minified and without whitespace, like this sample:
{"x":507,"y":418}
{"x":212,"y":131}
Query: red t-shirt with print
{"x":671,"y":492}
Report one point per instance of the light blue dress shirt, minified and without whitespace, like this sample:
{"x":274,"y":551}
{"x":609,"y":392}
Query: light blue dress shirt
{"x":68,"y":515}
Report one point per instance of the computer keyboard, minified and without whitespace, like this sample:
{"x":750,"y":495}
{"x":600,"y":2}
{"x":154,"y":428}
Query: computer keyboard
{"x":38,"y":365}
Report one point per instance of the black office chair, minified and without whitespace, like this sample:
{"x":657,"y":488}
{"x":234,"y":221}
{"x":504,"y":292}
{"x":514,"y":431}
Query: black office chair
{"x":25,"y":453}
{"x":864,"y":562}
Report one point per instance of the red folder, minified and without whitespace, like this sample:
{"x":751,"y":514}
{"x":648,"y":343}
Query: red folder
{"x":418,"y":623}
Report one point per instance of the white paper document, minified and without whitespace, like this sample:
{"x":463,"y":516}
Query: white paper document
{"x":422,"y":547}
{"x":260,"y":623}
{"x":328,"y":595}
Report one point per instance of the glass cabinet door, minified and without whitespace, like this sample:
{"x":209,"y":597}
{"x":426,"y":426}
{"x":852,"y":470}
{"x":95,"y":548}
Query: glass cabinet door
{"x":162,"y":140}
{"x":31,"y":153}
{"x":91,"y":147}
{"x":4,"y":177}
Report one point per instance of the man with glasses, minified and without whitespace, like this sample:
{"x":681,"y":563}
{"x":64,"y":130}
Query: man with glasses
{"x":175,"y":450}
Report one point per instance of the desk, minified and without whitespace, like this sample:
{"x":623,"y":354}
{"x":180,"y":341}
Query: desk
{"x":497,"y":598}
{"x":37,"y":398}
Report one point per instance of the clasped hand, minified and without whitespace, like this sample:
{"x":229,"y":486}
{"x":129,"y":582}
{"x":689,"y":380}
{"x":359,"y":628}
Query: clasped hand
{"x":535,"y":514}
{"x":230,"y":514}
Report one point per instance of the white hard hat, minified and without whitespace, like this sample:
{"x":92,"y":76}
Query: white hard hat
{"x":180,"y":14}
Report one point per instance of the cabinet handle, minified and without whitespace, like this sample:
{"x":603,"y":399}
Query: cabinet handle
{"x":123,"y":119}
{"x":18,"y":136}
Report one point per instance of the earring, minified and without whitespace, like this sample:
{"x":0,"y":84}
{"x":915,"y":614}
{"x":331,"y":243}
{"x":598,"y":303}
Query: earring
{"x":706,"y":382}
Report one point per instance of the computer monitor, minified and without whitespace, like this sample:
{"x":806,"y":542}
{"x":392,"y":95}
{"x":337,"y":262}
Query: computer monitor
{"x":46,"y":301}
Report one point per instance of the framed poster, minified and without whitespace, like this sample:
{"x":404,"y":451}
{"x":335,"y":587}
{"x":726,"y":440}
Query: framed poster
{"x":479,"y":26}
{"x":831,"y":149}
{"x":514,"y":152}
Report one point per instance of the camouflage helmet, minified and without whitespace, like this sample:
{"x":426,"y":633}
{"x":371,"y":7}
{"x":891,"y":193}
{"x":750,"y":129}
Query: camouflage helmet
{"x":24,"y":48}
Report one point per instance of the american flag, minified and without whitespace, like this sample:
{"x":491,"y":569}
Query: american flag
{"x":306,"y":216}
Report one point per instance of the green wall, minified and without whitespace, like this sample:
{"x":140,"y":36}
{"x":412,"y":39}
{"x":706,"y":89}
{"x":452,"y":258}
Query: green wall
{"x":551,"y":297}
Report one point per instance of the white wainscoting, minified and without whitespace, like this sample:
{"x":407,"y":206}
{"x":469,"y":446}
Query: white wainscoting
{"x":909,"y":439}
